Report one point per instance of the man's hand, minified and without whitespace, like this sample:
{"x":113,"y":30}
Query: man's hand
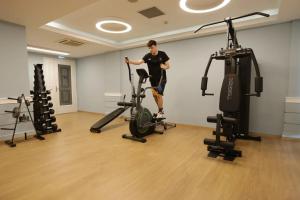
{"x":127,"y":61}
{"x":165,"y":66}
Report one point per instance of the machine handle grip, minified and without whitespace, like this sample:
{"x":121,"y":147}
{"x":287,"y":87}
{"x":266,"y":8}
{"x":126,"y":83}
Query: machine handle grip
{"x":258,"y":87}
{"x":207,"y":94}
{"x":204,"y":86}
{"x":204,"y":83}
{"x":259,"y":84}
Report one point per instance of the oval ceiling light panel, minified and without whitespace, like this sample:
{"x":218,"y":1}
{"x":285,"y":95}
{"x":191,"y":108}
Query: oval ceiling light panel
{"x":100,"y":26}
{"x":184,"y":7}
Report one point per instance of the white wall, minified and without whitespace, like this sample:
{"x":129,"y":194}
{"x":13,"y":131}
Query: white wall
{"x":294,"y":80}
{"x":13,"y":57}
{"x":90,"y":83}
{"x":184,"y":103}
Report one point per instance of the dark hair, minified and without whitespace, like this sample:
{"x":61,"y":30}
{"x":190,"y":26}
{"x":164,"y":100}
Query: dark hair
{"x":151,"y":43}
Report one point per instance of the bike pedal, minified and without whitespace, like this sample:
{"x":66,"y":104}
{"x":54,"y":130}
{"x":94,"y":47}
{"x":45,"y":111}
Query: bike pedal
{"x":160,"y":119}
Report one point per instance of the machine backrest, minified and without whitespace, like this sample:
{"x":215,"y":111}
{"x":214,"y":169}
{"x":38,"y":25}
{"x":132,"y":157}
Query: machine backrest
{"x":230,"y":96}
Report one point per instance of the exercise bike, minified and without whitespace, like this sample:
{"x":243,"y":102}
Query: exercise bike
{"x":235,"y":95}
{"x":142,"y":122}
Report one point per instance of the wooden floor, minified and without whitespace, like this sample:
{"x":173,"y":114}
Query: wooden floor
{"x":76,"y":164}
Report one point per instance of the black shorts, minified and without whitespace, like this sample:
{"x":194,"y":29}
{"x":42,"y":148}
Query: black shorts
{"x":161,"y":88}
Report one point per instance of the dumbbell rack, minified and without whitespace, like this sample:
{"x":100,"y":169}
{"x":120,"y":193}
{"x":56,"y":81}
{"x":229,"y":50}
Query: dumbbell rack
{"x":44,"y":120}
{"x":16,"y":113}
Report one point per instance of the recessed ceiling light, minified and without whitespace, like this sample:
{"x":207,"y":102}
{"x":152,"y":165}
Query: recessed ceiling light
{"x":184,"y":7}
{"x":100,"y":24}
{"x":35,"y":49}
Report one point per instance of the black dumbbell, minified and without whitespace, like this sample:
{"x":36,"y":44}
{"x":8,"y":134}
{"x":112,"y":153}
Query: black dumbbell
{"x":48,"y":98}
{"x":49,"y":105}
{"x":54,"y":127}
{"x":51,"y":119}
{"x":50,"y":111}
{"x":42,"y":92}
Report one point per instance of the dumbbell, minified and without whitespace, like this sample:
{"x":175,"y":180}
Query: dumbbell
{"x":32,"y":92}
{"x":38,"y":66}
{"x":49,"y":105}
{"x":46,"y":112}
{"x":42,"y":92}
{"x":49,"y":128}
{"x":39,"y":82}
{"x":54,"y":127}
{"x":36,"y":99}
{"x":46,"y":92}
{"x":39,"y":88}
{"x":39,"y":76}
{"x":50,"y":111}
{"x":48,"y":98}
{"x":51,"y":119}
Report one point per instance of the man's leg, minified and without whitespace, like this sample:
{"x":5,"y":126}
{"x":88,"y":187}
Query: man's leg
{"x":158,"y":100}
{"x":160,"y":103}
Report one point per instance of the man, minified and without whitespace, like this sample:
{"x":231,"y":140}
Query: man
{"x":156,"y":61}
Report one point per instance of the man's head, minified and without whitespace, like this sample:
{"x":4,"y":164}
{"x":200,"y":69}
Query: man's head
{"x":152,"y":45}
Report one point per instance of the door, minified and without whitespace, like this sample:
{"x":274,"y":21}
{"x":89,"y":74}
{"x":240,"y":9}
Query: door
{"x":65,"y":85}
{"x":60,"y":78}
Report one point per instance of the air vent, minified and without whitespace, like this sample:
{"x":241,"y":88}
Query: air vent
{"x":70,"y":42}
{"x":151,"y":12}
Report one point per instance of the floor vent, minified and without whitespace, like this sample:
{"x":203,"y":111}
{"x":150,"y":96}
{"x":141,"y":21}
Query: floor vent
{"x":151,"y":12}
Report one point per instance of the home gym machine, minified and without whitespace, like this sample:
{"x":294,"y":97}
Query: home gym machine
{"x":142,"y":123}
{"x":235,"y":93}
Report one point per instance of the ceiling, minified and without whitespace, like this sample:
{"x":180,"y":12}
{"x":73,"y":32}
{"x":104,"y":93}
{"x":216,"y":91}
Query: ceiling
{"x":50,"y":21}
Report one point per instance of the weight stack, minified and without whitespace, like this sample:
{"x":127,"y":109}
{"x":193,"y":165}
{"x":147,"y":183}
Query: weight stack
{"x":44,"y":119}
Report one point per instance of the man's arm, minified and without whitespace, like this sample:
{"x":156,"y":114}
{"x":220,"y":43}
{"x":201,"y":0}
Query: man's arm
{"x":135,"y":62}
{"x":165,"y":65}
{"x":165,"y":61}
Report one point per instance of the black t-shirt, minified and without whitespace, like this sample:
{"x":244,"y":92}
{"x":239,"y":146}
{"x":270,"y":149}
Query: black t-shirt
{"x":153,"y":62}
